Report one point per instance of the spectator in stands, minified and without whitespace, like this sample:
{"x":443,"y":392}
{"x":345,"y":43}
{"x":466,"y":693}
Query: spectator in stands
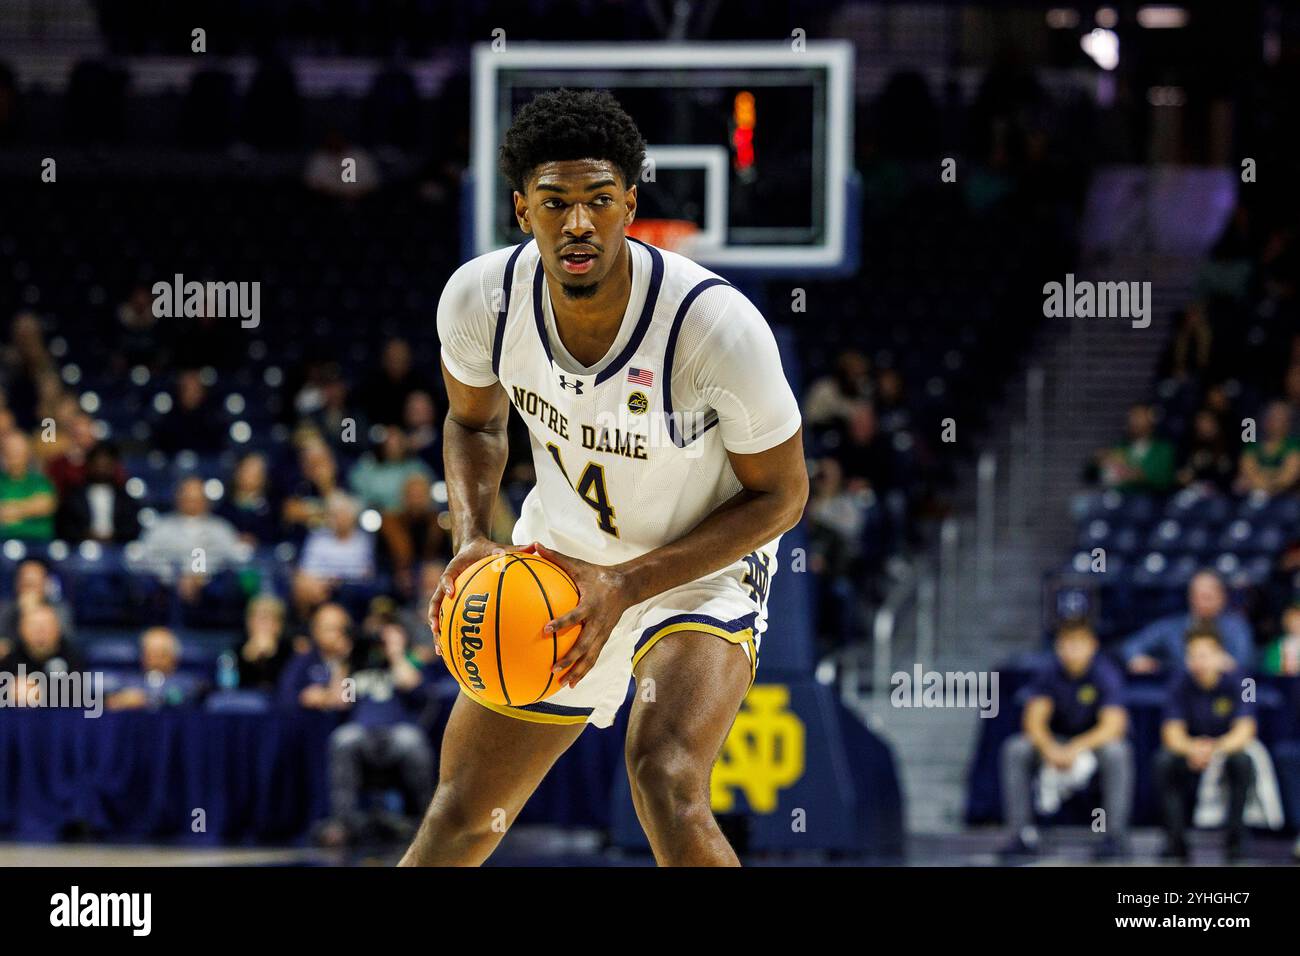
{"x":414,"y":615}
{"x":159,"y":681}
{"x":1271,"y":466}
{"x":304,"y":507}
{"x":383,"y":732}
{"x":865,"y":455}
{"x":41,"y":645}
{"x":891,"y":402}
{"x":1159,"y":645}
{"x":381,"y":474}
{"x":97,"y":508}
{"x":844,"y":540}
{"x":32,"y":587}
{"x":54,"y":434}
{"x":342,"y":169}
{"x":1282,"y":656}
{"x":25,"y":361}
{"x":265,"y":650}
{"x":1145,"y":463}
{"x":1206,"y":463}
{"x":831,"y":399}
{"x":333,"y":555}
{"x":421,"y":424}
{"x":383,"y":395}
{"x":1188,"y":355}
{"x":324,"y":404}
{"x":169,"y":546}
{"x":67,"y":469}
{"x":837,"y":517}
{"x":870,"y":467}
{"x":137,"y":342}
{"x":53,"y":403}
{"x":247,"y":505}
{"x":27,"y":499}
{"x":314,"y":679}
{"x":1291,"y":396}
{"x":193,"y":422}
{"x":411,"y":534}
{"x":1207,"y":717}
{"x":1074,"y":719}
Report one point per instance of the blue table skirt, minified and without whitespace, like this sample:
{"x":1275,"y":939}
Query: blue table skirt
{"x":256,"y":777}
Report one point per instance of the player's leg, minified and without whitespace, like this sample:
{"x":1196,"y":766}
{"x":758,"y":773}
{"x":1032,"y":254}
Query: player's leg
{"x":674,"y":739}
{"x":491,"y":764}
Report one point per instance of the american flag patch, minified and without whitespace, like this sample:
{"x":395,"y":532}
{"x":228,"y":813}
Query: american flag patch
{"x":640,"y":376}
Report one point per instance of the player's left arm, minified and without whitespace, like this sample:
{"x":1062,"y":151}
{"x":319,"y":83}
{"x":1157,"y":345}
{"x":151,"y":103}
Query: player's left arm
{"x":735,"y":370}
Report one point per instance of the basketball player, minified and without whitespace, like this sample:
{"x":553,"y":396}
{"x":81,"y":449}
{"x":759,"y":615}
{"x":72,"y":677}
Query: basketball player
{"x":669,"y":460}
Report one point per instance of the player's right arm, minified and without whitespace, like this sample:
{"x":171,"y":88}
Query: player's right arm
{"x":474,"y":444}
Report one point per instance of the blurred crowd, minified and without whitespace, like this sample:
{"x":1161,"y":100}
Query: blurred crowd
{"x":1219,"y":438}
{"x":1223,"y":424}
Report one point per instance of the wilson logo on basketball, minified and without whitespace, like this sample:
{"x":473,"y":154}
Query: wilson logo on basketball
{"x":471,"y":617}
{"x":498,"y":649}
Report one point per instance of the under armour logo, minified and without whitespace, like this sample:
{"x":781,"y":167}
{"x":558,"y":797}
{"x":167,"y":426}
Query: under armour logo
{"x":576,"y":384}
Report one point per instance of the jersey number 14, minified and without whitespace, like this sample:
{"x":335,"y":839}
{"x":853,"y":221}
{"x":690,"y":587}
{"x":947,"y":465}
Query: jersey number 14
{"x":591,"y":489}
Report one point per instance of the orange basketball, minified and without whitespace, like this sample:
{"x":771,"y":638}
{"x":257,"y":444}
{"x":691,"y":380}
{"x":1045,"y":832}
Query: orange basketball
{"x":491,"y":629}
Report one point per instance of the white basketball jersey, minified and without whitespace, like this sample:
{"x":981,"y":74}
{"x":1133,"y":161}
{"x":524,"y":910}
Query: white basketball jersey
{"x":620,"y":469}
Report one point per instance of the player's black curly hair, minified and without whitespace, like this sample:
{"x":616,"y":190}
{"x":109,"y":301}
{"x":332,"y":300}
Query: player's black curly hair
{"x":571,"y":124}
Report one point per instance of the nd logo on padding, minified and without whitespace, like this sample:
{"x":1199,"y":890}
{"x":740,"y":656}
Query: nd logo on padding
{"x":763,"y":753}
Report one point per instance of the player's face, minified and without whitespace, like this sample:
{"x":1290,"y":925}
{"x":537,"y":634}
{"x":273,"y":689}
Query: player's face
{"x":578,"y":210}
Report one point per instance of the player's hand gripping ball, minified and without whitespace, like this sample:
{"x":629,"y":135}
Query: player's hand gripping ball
{"x":491,"y":628}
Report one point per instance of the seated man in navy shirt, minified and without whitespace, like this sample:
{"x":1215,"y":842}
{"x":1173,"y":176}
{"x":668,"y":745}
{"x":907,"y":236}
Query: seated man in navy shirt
{"x":1074,"y":706}
{"x":1206,"y":716}
{"x":159,"y":682}
{"x":1159,"y":645}
{"x":378,"y":682}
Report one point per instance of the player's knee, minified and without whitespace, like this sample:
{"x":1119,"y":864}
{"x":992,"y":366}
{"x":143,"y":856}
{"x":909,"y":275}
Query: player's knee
{"x":456,"y":812}
{"x":669,"y":779}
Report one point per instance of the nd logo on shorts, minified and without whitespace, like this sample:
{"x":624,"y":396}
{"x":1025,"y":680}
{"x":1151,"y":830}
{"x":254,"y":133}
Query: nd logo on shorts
{"x":763,"y":753}
{"x":637,"y":403}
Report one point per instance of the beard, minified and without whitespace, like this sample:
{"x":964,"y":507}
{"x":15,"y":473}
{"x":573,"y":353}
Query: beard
{"x":585,"y":291}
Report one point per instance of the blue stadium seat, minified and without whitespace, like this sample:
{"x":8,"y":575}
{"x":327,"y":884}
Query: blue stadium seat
{"x":113,"y":654}
{"x":238,"y":702}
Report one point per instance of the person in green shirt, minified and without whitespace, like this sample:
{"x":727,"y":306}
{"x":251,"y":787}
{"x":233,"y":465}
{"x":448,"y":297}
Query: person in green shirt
{"x":1272,"y":465}
{"x":27,"y":499}
{"x":378,"y":478}
{"x":1282,"y":657}
{"x":1145,"y":462}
